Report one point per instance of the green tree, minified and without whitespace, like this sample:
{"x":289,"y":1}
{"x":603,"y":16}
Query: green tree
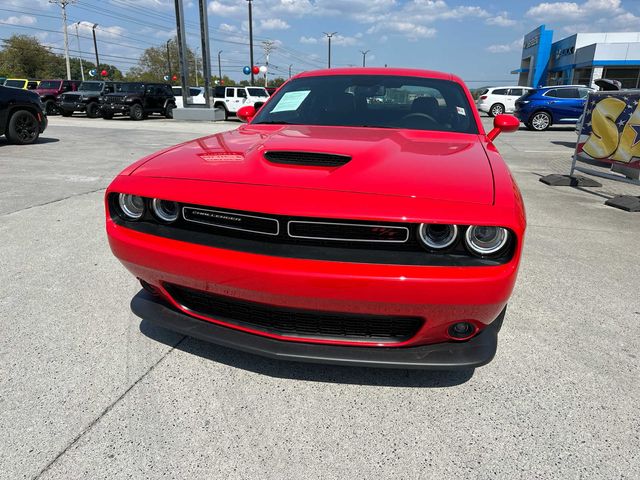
{"x":24,"y":56}
{"x":153,"y":66}
{"x":276,"y":82}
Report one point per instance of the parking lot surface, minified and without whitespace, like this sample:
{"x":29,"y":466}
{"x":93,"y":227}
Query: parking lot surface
{"x":87,"y":391}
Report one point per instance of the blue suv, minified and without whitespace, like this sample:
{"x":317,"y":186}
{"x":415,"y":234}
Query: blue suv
{"x":546,"y":106}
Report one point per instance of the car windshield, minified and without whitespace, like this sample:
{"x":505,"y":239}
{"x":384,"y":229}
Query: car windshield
{"x":257,"y":92}
{"x":130,"y":88}
{"x":382,"y":101}
{"x":90,"y":87}
{"x":14,"y":83}
{"x":49,"y":84}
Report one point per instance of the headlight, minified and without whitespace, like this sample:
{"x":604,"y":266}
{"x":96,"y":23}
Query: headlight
{"x":525,"y":101}
{"x":437,"y":236}
{"x":483,"y":240}
{"x":131,"y":205}
{"x":165,"y":210}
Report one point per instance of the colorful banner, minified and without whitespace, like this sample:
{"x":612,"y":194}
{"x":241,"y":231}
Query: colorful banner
{"x":611,"y":128}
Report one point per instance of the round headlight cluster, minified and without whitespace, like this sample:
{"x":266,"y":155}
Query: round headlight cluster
{"x":437,"y":236}
{"x":165,"y":210}
{"x":132,"y":206}
{"x":483,"y":240}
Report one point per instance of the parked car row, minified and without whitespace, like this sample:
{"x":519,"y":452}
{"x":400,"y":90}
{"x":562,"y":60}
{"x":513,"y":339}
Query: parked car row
{"x":537,"y":108}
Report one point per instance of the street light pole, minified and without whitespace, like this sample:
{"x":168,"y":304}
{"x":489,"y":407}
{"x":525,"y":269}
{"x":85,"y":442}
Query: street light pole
{"x":290,"y":70}
{"x":95,"y":46}
{"x":364,"y":57}
{"x":63,"y":5}
{"x":77,"y":24}
{"x":251,"y":41}
{"x":268,"y":47}
{"x":219,"y":68}
{"x":329,"y":35}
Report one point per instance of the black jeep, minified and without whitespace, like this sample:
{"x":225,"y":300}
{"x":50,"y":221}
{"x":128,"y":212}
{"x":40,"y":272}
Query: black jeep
{"x":138,"y":100}
{"x":22,"y":117}
{"x":85,"y":99}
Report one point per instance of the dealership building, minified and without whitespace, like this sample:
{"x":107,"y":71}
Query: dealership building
{"x":579,"y":59}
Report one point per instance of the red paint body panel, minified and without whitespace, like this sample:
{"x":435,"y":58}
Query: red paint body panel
{"x":394,"y":175}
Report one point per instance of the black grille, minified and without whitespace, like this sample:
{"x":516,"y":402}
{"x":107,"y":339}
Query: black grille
{"x":231,"y":220}
{"x":352,"y":232}
{"x":297,"y":322}
{"x":313,"y":159}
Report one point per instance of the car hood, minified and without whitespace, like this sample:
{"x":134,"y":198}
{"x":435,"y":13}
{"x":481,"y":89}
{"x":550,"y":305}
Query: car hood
{"x":47,"y":91}
{"x":411,"y":163}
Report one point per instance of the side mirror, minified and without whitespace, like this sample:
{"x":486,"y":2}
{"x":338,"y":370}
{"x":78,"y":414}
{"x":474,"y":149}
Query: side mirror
{"x":246,"y":113}
{"x":503,"y":123}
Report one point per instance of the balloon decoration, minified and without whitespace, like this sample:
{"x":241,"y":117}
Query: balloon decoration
{"x":174,"y":78}
{"x":246,"y":70}
{"x":256,"y":70}
{"x":166,"y":78}
{"x":93,"y":72}
{"x":263,"y":69}
{"x":104,"y":73}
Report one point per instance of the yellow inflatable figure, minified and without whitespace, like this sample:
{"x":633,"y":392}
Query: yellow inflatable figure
{"x":629,"y":146}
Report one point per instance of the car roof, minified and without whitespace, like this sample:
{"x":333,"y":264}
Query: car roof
{"x":509,"y":86}
{"x":547,"y":87}
{"x":401,"y":72}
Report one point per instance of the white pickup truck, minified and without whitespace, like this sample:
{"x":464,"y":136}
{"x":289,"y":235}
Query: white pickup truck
{"x":231,"y":99}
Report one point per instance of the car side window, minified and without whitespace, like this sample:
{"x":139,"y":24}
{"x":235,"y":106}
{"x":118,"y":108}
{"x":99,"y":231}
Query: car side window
{"x":583,"y":92}
{"x":567,"y":93}
{"x":552,"y":93}
{"x":230,"y":93}
{"x":501,"y":91}
{"x":32,"y":85}
{"x":242,"y":93}
{"x":517,"y":92}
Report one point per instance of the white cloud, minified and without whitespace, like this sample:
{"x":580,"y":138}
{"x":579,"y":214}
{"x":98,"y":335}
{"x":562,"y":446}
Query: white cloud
{"x":225,"y":27}
{"x":20,"y":20}
{"x":226,"y":8}
{"x":308,"y":40}
{"x":274,"y":24}
{"x":500,"y":20}
{"x":410,"y":30}
{"x":558,"y":11}
{"x":506,"y":47}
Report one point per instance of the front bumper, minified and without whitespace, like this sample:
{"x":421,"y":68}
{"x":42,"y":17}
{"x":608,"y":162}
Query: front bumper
{"x":71,"y":106}
{"x":476,"y":352}
{"x":115,"y":108}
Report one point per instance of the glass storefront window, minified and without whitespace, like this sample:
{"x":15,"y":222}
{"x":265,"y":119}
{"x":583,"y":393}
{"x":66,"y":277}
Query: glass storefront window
{"x":628,"y":76}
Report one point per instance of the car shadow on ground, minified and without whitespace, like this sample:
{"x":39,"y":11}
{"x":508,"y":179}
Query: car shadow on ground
{"x":41,"y":140}
{"x":571,"y":145}
{"x":306,"y":371}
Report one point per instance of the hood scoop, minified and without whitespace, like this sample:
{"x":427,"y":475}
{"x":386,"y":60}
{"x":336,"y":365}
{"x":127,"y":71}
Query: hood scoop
{"x":309,"y":159}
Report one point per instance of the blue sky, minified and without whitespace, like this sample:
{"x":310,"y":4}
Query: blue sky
{"x":479,"y":41}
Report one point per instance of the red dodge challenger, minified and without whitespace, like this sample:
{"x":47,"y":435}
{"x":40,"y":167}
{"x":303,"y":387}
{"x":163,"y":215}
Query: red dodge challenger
{"x":360,"y":217}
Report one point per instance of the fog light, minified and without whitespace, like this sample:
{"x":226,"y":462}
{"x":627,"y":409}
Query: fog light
{"x":437,"y":236}
{"x":132,"y":206}
{"x":462,"y":330}
{"x":165,"y":210}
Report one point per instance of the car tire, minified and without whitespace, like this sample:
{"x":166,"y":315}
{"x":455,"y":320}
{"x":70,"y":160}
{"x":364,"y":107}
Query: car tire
{"x":496,"y":109}
{"x":224,"y":109}
{"x":66,"y":113}
{"x":107,"y":116}
{"x":23,"y":128}
{"x":539,"y":121}
{"x":136,"y":112}
{"x":50,"y":107}
{"x":168,"y":111}
{"x":93,"y":111}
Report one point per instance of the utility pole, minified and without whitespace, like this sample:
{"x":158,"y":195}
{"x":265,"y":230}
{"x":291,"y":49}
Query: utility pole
{"x":219,"y":68}
{"x":95,"y":46}
{"x":169,"y":60}
{"x":329,"y":35}
{"x":290,"y":70}
{"x":364,"y":57}
{"x":251,"y":42}
{"x":63,"y":6}
{"x":206,"y":51}
{"x":77,"y":24}
{"x":268,"y":46}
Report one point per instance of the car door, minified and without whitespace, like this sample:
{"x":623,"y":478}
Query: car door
{"x":232,"y":101}
{"x":514,"y":94}
{"x":569,"y":103}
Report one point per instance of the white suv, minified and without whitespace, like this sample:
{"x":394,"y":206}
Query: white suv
{"x":497,"y":100}
{"x":231,"y":99}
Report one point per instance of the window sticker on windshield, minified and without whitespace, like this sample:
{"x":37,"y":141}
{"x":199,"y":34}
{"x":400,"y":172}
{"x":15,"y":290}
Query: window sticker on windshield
{"x":461,"y":111}
{"x":290,"y":101}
